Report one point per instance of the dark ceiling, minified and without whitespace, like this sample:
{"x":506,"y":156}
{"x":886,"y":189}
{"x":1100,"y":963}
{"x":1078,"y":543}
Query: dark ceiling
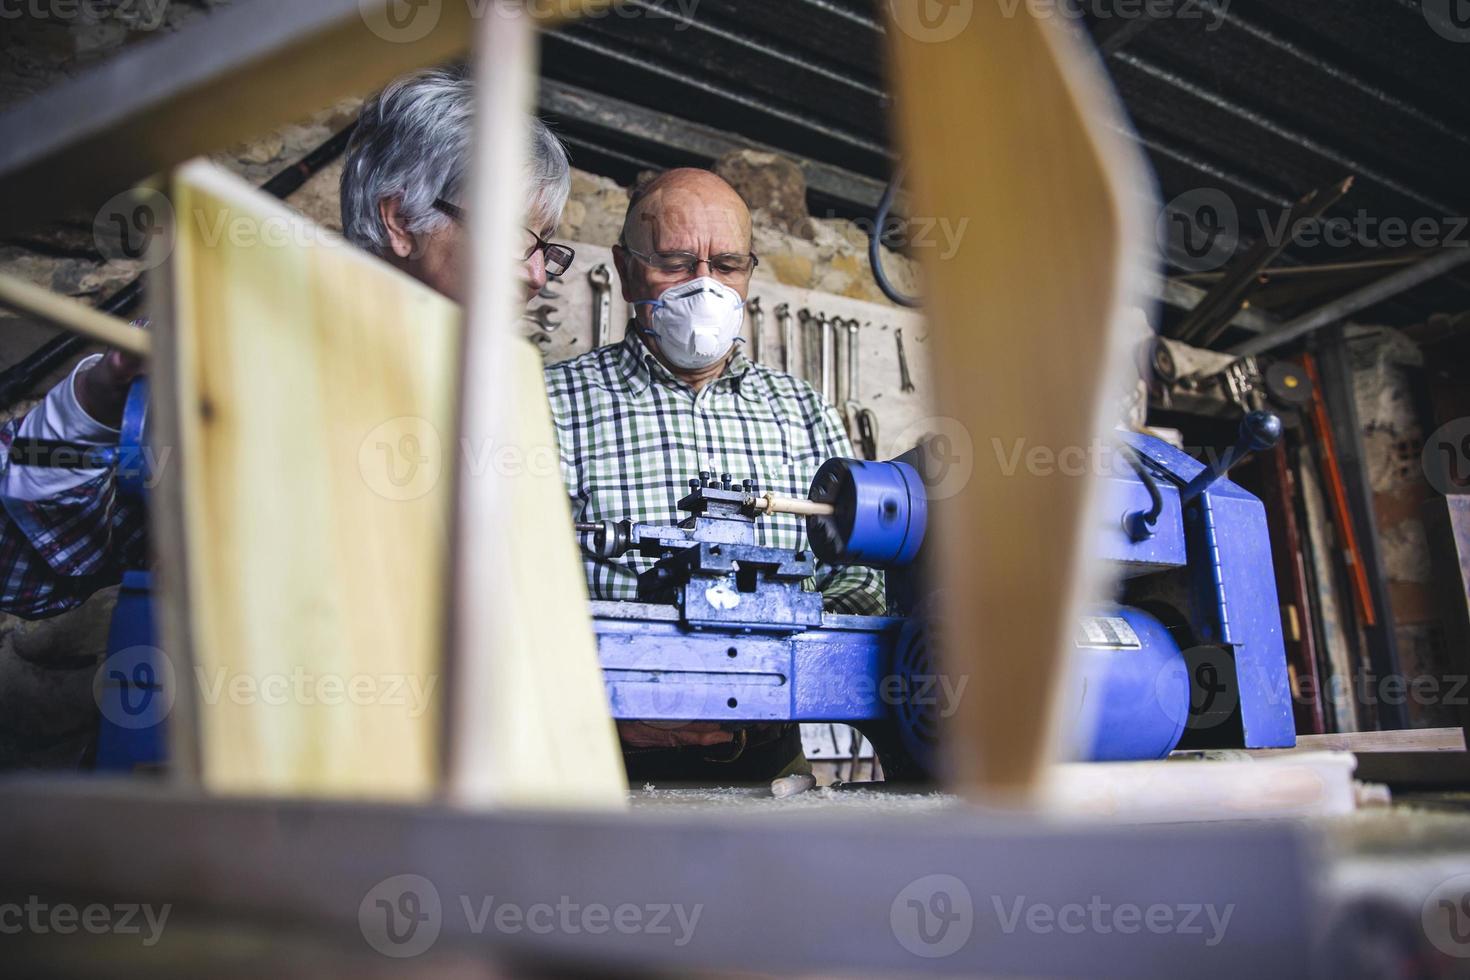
{"x":1263,"y":101}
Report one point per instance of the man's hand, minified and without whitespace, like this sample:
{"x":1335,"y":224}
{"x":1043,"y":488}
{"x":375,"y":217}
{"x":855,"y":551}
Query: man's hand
{"x":672,"y":735}
{"x":102,"y":389}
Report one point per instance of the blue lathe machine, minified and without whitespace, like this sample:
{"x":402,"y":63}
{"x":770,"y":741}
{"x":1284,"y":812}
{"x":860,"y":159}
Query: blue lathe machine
{"x":1190,"y":654}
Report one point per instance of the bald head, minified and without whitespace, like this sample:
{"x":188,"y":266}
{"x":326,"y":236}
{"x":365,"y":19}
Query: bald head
{"x":687,"y":210}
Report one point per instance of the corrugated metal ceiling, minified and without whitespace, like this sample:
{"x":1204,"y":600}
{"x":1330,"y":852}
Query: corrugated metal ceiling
{"x":1263,"y":101}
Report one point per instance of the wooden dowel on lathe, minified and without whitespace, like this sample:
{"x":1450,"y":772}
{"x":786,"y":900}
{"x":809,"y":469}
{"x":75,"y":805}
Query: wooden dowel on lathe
{"x":771,"y":504}
{"x":69,"y":314}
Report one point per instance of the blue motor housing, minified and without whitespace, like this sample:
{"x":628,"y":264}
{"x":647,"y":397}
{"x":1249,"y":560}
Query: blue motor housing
{"x":1133,"y":686}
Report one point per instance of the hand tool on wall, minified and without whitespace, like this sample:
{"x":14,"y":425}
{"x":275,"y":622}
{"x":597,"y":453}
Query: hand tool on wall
{"x":906,"y":380}
{"x":601,"y":280}
{"x":541,"y":316}
{"x":862,"y":424}
{"x":788,"y":337}
{"x":829,"y":357}
{"x":808,"y":321}
{"x":757,"y":322}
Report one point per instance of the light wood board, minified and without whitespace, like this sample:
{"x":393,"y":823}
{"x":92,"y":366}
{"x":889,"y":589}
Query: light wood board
{"x":1008,"y":123}
{"x":305,"y":396}
{"x":529,"y":722}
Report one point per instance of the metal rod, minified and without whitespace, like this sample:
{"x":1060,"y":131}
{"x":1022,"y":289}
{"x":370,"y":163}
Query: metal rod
{"x":1370,"y":295}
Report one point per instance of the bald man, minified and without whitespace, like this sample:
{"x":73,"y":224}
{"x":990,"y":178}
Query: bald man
{"x":636,"y":419}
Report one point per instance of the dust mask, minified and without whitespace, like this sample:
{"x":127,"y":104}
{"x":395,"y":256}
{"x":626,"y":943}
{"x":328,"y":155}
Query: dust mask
{"x":696,"y":322}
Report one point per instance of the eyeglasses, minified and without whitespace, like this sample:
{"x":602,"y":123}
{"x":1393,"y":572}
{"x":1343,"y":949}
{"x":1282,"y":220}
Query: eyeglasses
{"x":558,"y":257}
{"x":685,"y":263}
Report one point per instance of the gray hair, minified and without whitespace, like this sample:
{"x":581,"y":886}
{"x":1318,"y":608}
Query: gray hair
{"x":413,"y":142}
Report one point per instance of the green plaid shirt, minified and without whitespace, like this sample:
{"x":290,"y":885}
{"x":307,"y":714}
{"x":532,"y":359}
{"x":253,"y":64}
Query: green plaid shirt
{"x":632,"y":435}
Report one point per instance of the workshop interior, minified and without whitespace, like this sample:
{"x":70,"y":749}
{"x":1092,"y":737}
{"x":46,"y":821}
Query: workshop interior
{"x":735,"y":488}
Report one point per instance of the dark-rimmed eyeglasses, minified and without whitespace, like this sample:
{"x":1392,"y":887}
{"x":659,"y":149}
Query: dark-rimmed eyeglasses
{"x":558,"y":257}
{"x":686,"y":263}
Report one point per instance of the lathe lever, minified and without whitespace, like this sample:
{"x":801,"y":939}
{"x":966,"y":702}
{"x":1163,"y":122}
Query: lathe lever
{"x":1258,"y":431}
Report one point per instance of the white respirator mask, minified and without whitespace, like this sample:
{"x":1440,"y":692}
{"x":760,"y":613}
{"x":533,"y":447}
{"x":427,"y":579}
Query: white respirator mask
{"x":696,"y":322}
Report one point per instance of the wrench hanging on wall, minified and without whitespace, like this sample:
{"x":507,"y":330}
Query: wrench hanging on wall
{"x":788,"y":338}
{"x":601,"y":279}
{"x":757,"y":317}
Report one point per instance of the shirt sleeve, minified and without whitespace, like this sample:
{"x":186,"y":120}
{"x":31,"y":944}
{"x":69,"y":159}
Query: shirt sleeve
{"x":853,"y":589}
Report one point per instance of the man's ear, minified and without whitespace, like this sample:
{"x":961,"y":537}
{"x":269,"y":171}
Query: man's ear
{"x":400,"y":239}
{"x":621,"y":260}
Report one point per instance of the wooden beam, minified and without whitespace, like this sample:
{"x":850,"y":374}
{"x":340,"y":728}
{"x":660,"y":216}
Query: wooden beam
{"x":1027,"y":353}
{"x":73,"y":315}
{"x":529,"y":721}
{"x":232,"y":76}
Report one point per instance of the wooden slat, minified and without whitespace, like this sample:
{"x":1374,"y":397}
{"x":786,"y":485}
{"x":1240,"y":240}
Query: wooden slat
{"x":1007,"y":124}
{"x":529,"y":721}
{"x":69,"y":314}
{"x":1407,"y":740}
{"x":305,"y":393}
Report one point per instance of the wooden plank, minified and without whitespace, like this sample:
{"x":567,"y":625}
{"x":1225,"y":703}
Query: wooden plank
{"x":69,"y":314}
{"x":1025,"y":321}
{"x":1315,"y":784}
{"x":529,"y":723}
{"x":1407,"y":740}
{"x":307,"y":393}
{"x":233,"y":75}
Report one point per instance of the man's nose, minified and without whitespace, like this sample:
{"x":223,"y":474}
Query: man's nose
{"x":536,"y":270}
